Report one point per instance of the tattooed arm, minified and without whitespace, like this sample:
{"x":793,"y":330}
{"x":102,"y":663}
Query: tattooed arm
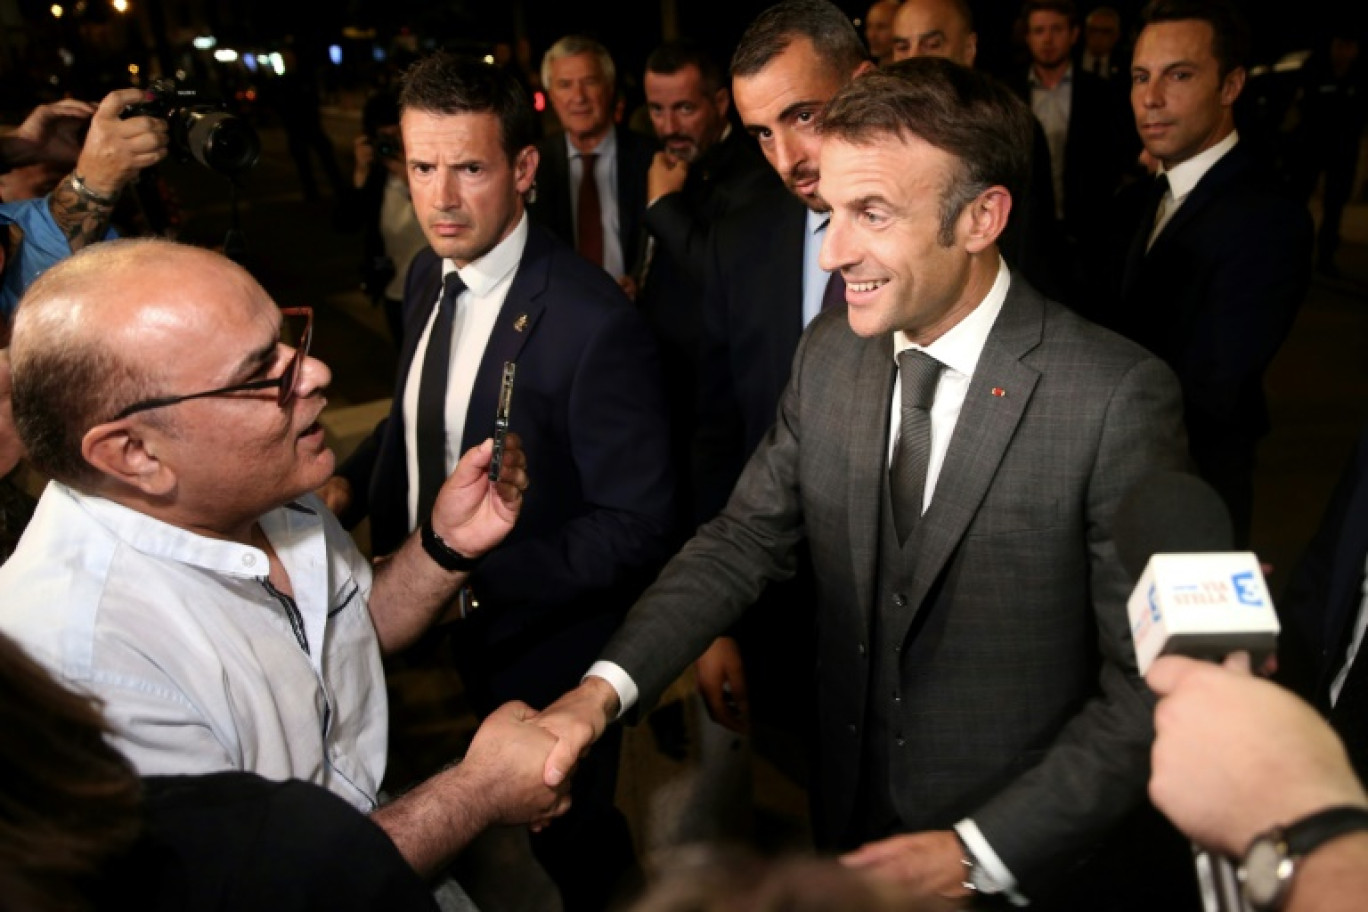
{"x":115,"y":152}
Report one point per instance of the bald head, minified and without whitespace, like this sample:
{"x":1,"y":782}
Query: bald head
{"x":935,"y":28}
{"x":879,"y":30}
{"x":93,"y":334}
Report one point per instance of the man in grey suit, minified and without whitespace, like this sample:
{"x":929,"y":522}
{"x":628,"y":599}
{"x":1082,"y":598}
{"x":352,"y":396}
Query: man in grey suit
{"x":983,"y":726}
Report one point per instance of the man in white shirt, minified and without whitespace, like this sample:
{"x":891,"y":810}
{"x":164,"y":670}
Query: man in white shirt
{"x":178,"y":567}
{"x":951,"y":448}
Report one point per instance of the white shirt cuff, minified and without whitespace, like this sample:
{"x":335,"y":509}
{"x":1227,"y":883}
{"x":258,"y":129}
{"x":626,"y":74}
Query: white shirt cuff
{"x":619,"y":680}
{"x":996,"y":877}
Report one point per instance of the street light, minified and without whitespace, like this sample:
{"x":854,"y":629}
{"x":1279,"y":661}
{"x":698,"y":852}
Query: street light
{"x":120,"y":6}
{"x":56,"y":10}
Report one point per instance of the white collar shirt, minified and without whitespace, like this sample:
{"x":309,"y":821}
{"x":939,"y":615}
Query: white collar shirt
{"x":1185,"y":176}
{"x":606,"y":173}
{"x":1053,"y":107}
{"x":201,"y":664}
{"x":958,"y":351}
{"x":487,"y":281}
{"x":815,"y":278}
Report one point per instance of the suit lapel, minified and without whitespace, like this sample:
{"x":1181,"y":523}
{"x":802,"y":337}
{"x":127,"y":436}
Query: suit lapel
{"x":987,"y":423}
{"x":517,"y":321}
{"x":1212,"y":185}
{"x":866,"y":435}
{"x":1346,"y":584}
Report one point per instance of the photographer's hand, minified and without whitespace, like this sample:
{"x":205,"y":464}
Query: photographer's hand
{"x":115,"y":152}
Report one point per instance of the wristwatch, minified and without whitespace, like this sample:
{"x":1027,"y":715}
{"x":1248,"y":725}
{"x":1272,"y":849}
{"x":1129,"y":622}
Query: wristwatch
{"x":1271,"y":860}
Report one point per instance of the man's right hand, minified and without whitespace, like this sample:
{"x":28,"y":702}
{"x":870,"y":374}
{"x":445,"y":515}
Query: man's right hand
{"x":577,"y":720}
{"x":117,"y":150}
{"x":667,"y":175}
{"x":722,"y":683}
{"x":336,"y":493}
{"x":506,"y":760}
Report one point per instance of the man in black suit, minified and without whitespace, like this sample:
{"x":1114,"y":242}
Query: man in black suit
{"x":706,"y":170}
{"x":1089,"y":142}
{"x":1320,"y":651}
{"x":1213,"y":263}
{"x":587,"y":402}
{"x":601,"y":219}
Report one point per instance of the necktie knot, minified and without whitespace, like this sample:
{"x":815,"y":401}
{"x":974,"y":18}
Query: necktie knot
{"x":919,"y":373}
{"x":452,"y":286}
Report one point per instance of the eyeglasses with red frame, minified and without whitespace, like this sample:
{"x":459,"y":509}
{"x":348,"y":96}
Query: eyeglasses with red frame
{"x":286,"y":382}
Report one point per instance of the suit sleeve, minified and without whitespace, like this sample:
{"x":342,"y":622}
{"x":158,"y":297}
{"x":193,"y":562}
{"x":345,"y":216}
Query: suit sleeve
{"x":709,"y":585}
{"x":619,"y":442}
{"x":1095,"y":771}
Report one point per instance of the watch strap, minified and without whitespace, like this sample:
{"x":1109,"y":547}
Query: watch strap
{"x":445,"y":556}
{"x":1312,"y":831}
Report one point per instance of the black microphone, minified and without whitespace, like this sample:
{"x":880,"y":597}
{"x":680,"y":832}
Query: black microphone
{"x":1196,"y":597}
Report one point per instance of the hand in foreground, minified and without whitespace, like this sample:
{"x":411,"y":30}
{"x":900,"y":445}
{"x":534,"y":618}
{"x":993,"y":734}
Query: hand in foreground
{"x":1235,"y":755}
{"x":929,"y":866}
{"x":577,"y":720}
{"x":666,"y":175}
{"x":505,"y":761}
{"x":117,"y":150}
{"x":722,"y":683}
{"x":473,"y":514}
{"x":54,"y":130}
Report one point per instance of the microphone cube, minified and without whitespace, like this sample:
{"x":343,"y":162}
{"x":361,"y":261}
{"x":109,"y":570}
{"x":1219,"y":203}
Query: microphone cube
{"x":1205,"y":606}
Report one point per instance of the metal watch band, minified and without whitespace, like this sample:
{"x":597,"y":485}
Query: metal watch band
{"x":83,"y":190}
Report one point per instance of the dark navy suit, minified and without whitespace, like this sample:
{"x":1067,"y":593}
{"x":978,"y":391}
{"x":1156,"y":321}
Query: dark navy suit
{"x":595,"y":521}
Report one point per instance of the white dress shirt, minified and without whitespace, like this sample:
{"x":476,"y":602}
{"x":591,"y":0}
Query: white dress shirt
{"x":1355,"y":643}
{"x":1183,"y":177}
{"x":1053,"y":108}
{"x":487,"y":282}
{"x":201,"y":664}
{"x":606,"y":172}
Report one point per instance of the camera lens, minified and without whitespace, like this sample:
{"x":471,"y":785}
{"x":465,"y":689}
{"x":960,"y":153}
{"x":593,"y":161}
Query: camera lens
{"x":222,"y":142}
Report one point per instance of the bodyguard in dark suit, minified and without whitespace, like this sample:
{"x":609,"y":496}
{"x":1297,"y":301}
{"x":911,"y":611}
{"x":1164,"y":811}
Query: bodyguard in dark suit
{"x":1321,"y":648}
{"x":707,"y":169}
{"x":587,"y":403}
{"x":1212,"y":262}
{"x":580,"y":79}
{"x":980,"y":711}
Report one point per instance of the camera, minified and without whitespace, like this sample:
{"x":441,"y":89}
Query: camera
{"x":200,"y":128}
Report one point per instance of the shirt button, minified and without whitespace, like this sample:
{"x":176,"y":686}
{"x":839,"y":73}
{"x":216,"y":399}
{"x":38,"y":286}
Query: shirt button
{"x":900,"y":600}
{"x":900,"y":742}
{"x":248,"y":559}
{"x":897,"y":697}
{"x":860,"y":648}
{"x":851,"y":728}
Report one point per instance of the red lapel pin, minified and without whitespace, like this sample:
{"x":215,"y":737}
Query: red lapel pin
{"x":999,"y":392}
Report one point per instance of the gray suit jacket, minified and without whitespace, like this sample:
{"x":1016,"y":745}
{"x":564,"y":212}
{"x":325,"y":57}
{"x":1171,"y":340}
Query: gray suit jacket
{"x":1019,"y":703}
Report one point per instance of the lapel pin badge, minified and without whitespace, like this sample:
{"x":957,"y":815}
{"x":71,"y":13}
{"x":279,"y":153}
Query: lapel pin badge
{"x":999,"y":392}
{"x":521,"y":323}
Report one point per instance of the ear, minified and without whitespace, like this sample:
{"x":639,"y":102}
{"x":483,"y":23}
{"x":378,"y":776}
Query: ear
{"x":525,"y":168}
{"x":984,"y":219}
{"x":1073,"y":35}
{"x":866,"y":66}
{"x":126,"y":452}
{"x":1232,"y":86}
{"x":722,"y":101}
{"x":970,"y":49}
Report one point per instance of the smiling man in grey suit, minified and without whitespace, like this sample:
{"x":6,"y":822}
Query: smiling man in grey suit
{"x":952,"y":451}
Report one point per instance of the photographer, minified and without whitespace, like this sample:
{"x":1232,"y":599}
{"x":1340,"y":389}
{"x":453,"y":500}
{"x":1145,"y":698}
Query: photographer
{"x":381,"y":206}
{"x":40,"y":232}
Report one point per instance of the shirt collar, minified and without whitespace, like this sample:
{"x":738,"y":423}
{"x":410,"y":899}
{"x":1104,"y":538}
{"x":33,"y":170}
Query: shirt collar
{"x":959,"y":349}
{"x":606,"y":146}
{"x":1034,"y":80}
{"x":1185,"y":175}
{"x":817,"y":221}
{"x":482,"y":275}
{"x":155,"y":538}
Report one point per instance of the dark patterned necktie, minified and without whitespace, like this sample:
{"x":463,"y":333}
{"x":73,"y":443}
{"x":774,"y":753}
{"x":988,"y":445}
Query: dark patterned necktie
{"x":907,"y":476}
{"x":590,"y":216}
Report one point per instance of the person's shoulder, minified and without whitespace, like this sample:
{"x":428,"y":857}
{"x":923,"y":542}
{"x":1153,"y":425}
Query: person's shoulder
{"x":568,"y":280}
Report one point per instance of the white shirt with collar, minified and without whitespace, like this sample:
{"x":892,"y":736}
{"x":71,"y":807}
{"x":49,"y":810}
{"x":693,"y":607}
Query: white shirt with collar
{"x":1053,"y":107}
{"x":1183,"y":177}
{"x":487,"y":282}
{"x":202,"y":665}
{"x":606,"y":173}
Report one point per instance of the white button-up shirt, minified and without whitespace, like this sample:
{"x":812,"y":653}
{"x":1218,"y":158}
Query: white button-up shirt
{"x":201,"y":664}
